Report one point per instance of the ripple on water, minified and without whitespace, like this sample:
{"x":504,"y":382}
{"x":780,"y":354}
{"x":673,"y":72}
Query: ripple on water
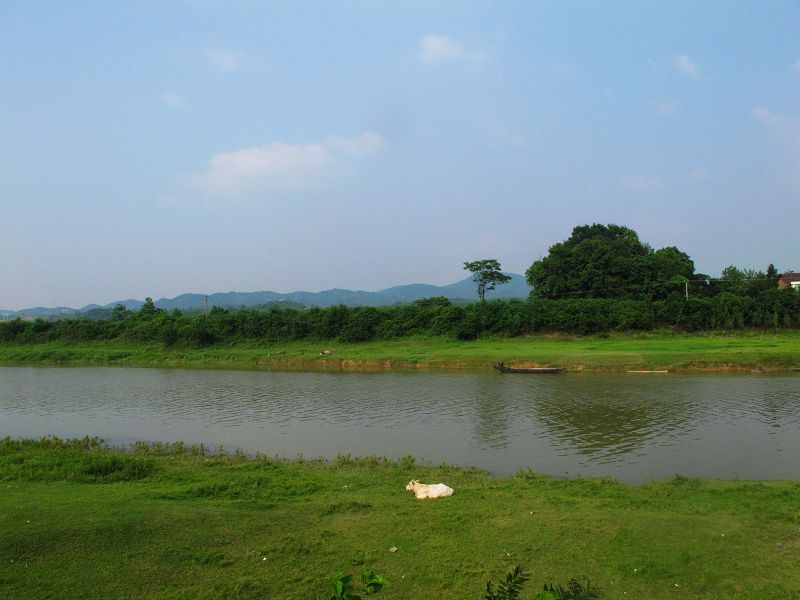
{"x":628,"y":426}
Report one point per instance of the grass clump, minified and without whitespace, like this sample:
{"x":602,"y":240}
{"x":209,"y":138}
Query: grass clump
{"x":87,"y":460}
{"x":117,"y":468}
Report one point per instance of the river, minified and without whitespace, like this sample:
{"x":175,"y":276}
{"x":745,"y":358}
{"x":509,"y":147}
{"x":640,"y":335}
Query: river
{"x":632,"y":427}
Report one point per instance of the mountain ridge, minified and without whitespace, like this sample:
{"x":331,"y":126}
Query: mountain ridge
{"x":463,"y":290}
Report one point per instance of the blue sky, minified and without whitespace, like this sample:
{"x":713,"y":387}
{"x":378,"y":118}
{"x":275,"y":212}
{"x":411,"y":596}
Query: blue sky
{"x":155,"y":148}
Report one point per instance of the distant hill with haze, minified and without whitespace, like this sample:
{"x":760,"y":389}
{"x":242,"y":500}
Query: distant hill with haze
{"x":461,"y":291}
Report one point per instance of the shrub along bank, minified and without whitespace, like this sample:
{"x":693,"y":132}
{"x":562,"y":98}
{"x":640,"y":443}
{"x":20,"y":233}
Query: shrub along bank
{"x":768,"y":310}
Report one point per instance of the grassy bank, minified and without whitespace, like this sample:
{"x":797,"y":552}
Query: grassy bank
{"x":617,"y":352}
{"x":78,"y":521}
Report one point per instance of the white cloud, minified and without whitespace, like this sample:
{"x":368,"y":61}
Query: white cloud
{"x":780,"y":124}
{"x":641,"y":184}
{"x":763,"y":114}
{"x":786,"y":130}
{"x":223,"y":61}
{"x":796,"y":65}
{"x":440,"y":49}
{"x":273,"y":167}
{"x":783,"y":127}
{"x":282,"y":167}
{"x":368,"y":142}
{"x":685,"y":64}
{"x":699,"y":173}
{"x":666,"y":107}
{"x":173,"y":99}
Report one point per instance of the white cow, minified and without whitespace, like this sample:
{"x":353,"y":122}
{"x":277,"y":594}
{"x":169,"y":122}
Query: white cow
{"x":424,"y":490}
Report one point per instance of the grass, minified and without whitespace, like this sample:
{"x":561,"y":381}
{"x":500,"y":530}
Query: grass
{"x":82,"y":520}
{"x":615,"y":352}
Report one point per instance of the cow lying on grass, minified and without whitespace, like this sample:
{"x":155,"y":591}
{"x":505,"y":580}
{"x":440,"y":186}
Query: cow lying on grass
{"x":424,"y":490}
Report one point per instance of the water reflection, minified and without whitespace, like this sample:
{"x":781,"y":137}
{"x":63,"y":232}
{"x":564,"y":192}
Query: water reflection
{"x":494,"y":412}
{"x":613,"y":415}
{"x":631,"y":427}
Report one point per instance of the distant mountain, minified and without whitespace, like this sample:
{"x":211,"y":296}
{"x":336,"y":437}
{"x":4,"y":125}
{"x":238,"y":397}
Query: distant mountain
{"x":463,"y":291}
{"x":39,"y":311}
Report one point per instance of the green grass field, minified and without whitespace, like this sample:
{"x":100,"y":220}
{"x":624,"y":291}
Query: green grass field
{"x":78,"y":522}
{"x":619,"y":352}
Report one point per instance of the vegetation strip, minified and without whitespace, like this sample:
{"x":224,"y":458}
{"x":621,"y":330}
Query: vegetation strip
{"x":744,"y":352}
{"x":81,"y":519}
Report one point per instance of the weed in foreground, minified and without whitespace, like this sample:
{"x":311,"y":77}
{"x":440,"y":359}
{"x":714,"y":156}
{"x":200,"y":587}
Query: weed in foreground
{"x":511,"y":589}
{"x":343,"y":585}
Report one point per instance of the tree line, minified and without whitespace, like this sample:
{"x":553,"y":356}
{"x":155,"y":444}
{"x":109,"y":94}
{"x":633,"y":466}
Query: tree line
{"x":769,"y":309}
{"x":603,"y":278}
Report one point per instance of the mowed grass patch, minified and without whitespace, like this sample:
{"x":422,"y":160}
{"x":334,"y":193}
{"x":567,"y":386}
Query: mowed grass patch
{"x":201,"y":526}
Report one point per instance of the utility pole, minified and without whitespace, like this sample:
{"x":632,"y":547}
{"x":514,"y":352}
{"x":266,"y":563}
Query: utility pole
{"x":686,"y":283}
{"x":206,"y":306}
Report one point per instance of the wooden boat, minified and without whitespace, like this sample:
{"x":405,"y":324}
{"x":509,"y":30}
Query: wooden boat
{"x":536,"y":370}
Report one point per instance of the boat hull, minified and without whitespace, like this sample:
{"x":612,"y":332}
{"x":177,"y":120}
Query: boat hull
{"x":530,"y":371}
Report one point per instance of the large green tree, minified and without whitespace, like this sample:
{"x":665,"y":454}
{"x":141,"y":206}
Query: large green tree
{"x":486,"y":274}
{"x":608,"y":261}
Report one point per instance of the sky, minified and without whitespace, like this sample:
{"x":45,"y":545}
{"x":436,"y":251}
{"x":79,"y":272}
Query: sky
{"x":156,"y":148}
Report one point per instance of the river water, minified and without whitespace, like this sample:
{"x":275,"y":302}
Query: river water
{"x":632,"y":427}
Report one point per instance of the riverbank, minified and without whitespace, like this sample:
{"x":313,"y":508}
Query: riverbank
{"x":174,"y":522}
{"x":616,"y":352}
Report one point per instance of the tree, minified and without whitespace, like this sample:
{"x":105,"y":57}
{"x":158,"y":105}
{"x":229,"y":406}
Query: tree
{"x":119,"y":312}
{"x":734,"y":280}
{"x":486,"y":274}
{"x":148,"y":308}
{"x":669,"y":269}
{"x":772,"y":276}
{"x":608,"y":261}
{"x":747,"y":282}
